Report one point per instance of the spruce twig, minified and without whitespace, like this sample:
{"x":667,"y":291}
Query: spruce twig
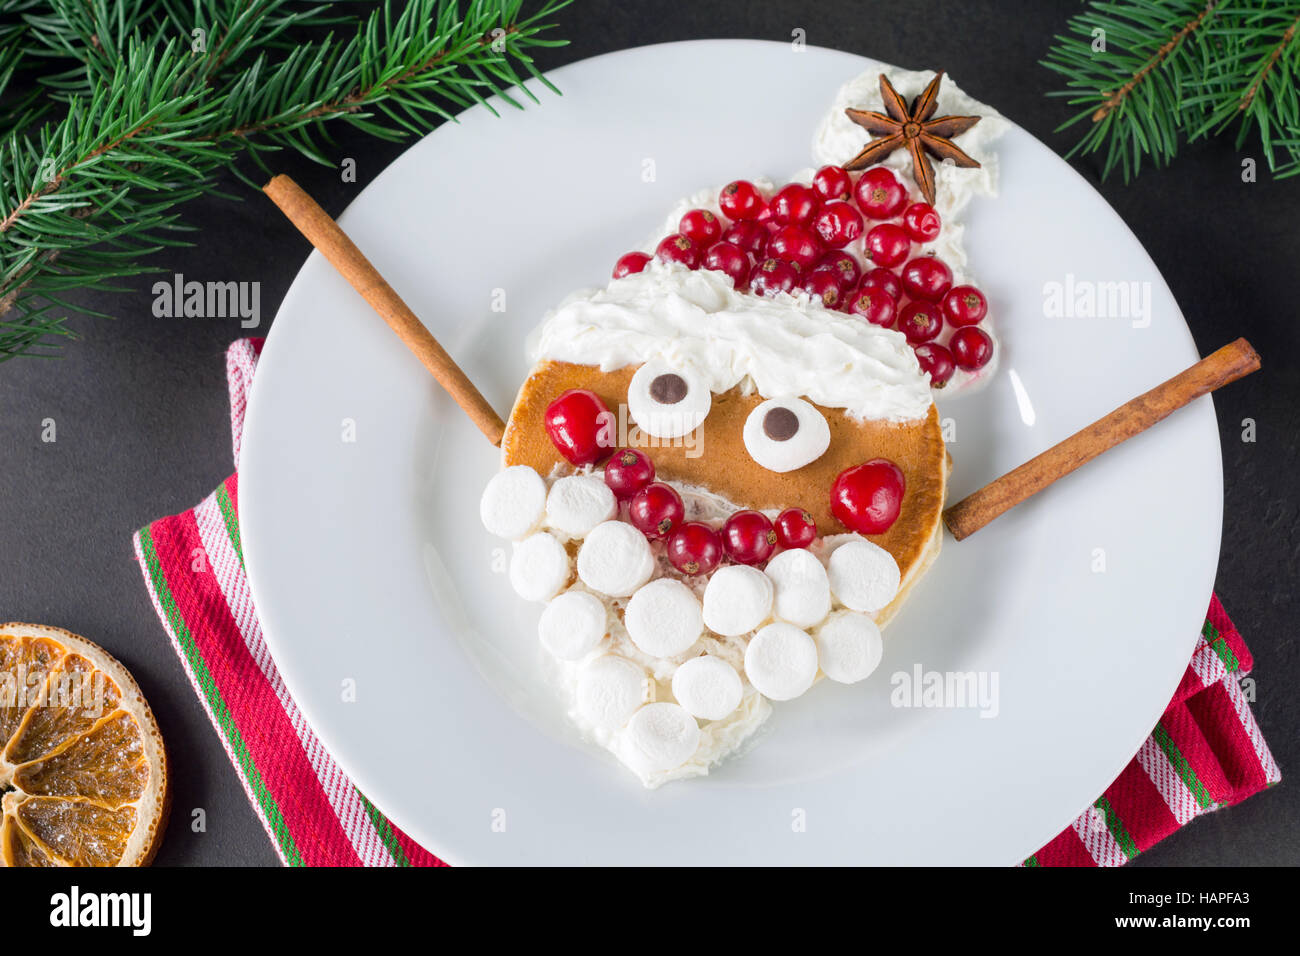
{"x":149,"y":121}
{"x":1175,"y":70}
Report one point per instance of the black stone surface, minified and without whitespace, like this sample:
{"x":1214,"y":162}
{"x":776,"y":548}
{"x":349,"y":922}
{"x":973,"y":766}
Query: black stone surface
{"x":142,"y":417}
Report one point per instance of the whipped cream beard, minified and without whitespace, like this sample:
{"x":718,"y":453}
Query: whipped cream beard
{"x":838,"y":139}
{"x":669,"y":672}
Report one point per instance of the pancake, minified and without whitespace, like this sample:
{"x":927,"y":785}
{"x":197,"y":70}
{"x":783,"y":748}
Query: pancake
{"x":715,"y":458}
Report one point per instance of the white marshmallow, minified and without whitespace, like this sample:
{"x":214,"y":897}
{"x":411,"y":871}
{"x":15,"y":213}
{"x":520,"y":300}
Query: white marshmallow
{"x":803,"y":592}
{"x":863,"y":575}
{"x":615,"y":559}
{"x":513,"y":502}
{"x":737,"y":599}
{"x":808,"y":443}
{"x":610,"y":689}
{"x":849,"y":647}
{"x":539,"y":567}
{"x":673,"y":419}
{"x":662,"y":736}
{"x":572,"y":625}
{"x":707,"y":687}
{"x":577,"y":503}
{"x":663,"y":618}
{"x":781,"y":661}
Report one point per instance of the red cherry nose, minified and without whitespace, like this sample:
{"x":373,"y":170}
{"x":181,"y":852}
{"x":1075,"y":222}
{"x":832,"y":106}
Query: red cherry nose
{"x":867,"y":498}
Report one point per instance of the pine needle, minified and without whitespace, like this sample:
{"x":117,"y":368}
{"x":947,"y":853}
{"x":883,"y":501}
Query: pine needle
{"x":157,"y":99}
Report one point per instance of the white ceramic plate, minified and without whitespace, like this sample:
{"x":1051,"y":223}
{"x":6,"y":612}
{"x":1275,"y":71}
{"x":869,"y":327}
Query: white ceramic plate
{"x":368,"y":562}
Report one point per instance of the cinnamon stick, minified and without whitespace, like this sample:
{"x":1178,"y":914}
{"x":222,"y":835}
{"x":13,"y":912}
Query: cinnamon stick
{"x":1228,"y":364}
{"x":324,"y":233}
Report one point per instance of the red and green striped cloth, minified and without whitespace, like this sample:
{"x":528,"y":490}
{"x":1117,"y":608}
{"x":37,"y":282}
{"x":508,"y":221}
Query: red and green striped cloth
{"x":1205,"y":753}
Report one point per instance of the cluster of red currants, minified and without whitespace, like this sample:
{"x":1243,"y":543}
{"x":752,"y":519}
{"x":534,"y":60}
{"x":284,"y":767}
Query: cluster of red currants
{"x":656,"y":510}
{"x":797,"y":241}
{"x":866,"y":498}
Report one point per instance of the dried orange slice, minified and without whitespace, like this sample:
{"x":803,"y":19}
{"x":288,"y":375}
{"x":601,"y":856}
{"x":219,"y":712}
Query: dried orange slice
{"x":83,"y":771}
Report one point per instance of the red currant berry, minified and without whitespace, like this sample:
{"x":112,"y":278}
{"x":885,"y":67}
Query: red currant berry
{"x":832,"y":182}
{"x":701,"y":226}
{"x":922,"y":222}
{"x":772,"y":276}
{"x":794,"y":205}
{"x":884,"y":280}
{"x":867,"y":498}
{"x":694,"y":548}
{"x":628,"y":471}
{"x":724,"y":257}
{"x":920,"y":321}
{"x":748,"y":537}
{"x":747,"y":235}
{"x":838,"y":224}
{"x":843,"y":266}
{"x":795,"y":244}
{"x":795,"y":528}
{"x":679,"y":248}
{"x":888,"y":244}
{"x":879,"y":193}
{"x":580,"y":426}
{"x":825,"y":285}
{"x":873,"y":305}
{"x":926,"y":277}
{"x":964,"y":305}
{"x":656,"y":510}
{"x":630,"y":263}
{"x":971,"y":347}
{"x":937,"y":361}
{"x":741,"y":200}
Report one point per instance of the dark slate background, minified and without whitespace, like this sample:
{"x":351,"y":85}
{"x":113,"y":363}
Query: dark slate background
{"x":142,"y":415}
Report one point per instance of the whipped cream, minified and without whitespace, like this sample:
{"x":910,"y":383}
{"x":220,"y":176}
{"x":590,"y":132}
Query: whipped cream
{"x":782,"y":345}
{"x":838,"y":139}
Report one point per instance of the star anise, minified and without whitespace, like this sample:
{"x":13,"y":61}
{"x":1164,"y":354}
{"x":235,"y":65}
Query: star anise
{"x":912,"y":128}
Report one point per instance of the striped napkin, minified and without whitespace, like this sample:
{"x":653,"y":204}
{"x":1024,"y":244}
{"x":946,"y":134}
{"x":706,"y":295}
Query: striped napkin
{"x":1205,"y":753}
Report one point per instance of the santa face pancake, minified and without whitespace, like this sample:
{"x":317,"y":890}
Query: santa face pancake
{"x":725,"y":470}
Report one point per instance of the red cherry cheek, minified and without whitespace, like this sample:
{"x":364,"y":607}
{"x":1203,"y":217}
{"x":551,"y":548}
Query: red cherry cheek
{"x":867,"y":498}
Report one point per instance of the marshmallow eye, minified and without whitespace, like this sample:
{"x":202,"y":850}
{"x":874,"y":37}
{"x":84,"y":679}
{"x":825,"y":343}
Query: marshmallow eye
{"x":667,"y":402}
{"x":783,"y":434}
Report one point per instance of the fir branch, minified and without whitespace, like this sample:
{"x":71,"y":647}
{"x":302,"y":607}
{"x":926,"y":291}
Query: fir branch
{"x":1253,"y":81}
{"x":150,"y":122}
{"x":1157,"y":58}
{"x":1131,"y":90}
{"x":1183,"y":69}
